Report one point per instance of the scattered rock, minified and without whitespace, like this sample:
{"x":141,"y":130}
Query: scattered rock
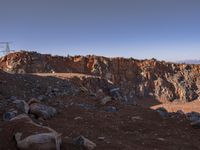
{"x":114,"y":90}
{"x":100,"y":93}
{"x":134,"y":118}
{"x":161,"y":139}
{"x":9,"y":115}
{"x":22,"y":106}
{"x":92,"y":94}
{"x":111,"y":109}
{"x":13,"y":98}
{"x":56,"y":90}
{"x":101,"y":138}
{"x":83,"y":142}
{"x":193,"y":116}
{"x":115,"y":93}
{"x":78,"y":118}
{"x":41,"y":110}
{"x":83,"y":89}
{"x":105,"y":100}
{"x":162,"y":112}
{"x":41,"y":98}
{"x":195,"y":124}
{"x":86,"y":106}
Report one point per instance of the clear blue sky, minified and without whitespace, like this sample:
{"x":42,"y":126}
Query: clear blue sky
{"x":163,"y":29}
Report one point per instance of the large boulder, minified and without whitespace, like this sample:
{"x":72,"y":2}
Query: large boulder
{"x":41,"y":110}
{"x":41,"y":141}
{"x":30,"y":135}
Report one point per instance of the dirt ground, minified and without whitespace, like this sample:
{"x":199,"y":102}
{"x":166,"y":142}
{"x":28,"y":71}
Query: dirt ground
{"x":126,"y":128}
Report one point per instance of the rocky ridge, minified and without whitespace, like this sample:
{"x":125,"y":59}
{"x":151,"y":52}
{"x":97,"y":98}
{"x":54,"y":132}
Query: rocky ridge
{"x":136,"y":78}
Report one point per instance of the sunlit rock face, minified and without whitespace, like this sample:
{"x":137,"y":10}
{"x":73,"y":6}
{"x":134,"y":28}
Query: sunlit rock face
{"x":136,"y":78}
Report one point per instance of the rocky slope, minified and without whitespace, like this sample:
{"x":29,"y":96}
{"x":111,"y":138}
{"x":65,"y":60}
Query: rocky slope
{"x":76,"y":103}
{"x":137,"y":79}
{"x":79,"y":105}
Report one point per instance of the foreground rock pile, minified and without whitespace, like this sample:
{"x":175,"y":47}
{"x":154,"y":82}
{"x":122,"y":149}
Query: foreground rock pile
{"x":136,"y":78}
{"x":28,"y":101}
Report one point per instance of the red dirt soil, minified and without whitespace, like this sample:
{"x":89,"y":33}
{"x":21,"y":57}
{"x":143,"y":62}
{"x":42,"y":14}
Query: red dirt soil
{"x":131,"y":127}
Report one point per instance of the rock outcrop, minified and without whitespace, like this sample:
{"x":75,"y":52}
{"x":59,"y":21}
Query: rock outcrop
{"x":136,"y":78}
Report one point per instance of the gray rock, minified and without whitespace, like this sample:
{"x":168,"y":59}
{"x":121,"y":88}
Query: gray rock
{"x":116,"y":94}
{"x":195,"y":124}
{"x":44,"y":139}
{"x":162,"y":112}
{"x":101,"y":138}
{"x":43,"y":111}
{"x":100,"y":93}
{"x":134,"y":118}
{"x":41,"y":97}
{"x":22,"y":106}
{"x":9,"y":115}
{"x":105,"y":100}
{"x":114,"y":90}
{"x":78,"y":118}
{"x":56,"y":90}
{"x":87,"y":106}
{"x":193,"y":116}
{"x":84,"y":143}
{"x":41,"y":141}
{"x":13,"y":98}
{"x":111,"y":109}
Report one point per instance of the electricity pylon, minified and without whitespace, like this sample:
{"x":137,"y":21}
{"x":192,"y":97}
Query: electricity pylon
{"x":6,"y":48}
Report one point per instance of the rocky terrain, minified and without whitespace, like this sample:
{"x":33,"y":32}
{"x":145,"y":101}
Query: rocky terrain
{"x":136,"y":78}
{"x":92,"y":102}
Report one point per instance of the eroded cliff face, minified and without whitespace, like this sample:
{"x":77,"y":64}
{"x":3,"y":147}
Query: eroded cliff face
{"x":136,"y":78}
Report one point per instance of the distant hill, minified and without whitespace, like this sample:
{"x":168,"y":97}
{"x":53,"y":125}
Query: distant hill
{"x":190,"y":61}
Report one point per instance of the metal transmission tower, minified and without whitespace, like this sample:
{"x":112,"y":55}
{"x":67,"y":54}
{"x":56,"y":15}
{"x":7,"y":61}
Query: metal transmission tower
{"x":6,"y":48}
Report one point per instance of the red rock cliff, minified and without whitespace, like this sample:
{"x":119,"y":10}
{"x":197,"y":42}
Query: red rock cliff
{"x":136,"y":78}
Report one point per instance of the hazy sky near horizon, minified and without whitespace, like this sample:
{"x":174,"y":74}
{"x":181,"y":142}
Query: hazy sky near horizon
{"x":163,"y":29}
